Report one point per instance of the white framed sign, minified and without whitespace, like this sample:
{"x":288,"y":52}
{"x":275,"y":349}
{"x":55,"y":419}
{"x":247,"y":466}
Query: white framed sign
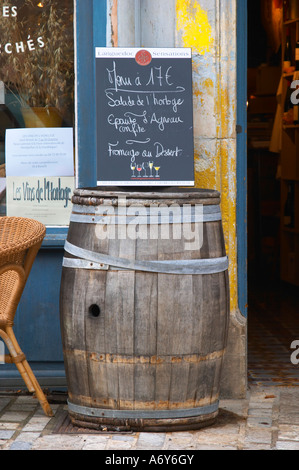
{"x":46,"y":199}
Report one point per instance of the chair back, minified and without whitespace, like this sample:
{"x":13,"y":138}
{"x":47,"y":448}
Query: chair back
{"x":20,"y":240}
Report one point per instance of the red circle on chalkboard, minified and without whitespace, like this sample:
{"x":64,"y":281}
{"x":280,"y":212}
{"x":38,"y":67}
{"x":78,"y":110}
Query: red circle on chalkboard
{"x":143,"y":57}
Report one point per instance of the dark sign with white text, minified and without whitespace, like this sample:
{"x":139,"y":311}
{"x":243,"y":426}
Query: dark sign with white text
{"x":144,"y":117}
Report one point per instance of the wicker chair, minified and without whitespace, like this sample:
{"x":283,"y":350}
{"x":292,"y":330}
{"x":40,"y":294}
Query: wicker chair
{"x":20,"y":241}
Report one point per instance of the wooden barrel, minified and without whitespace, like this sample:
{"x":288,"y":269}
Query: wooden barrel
{"x":144,"y":311}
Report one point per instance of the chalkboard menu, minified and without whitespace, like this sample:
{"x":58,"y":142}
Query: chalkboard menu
{"x":144,"y":117}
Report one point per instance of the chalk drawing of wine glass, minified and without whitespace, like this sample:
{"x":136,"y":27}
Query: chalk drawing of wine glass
{"x":150,"y":164}
{"x":139,"y":168}
{"x":157,"y":168}
{"x":144,"y":165}
{"x":133,"y":166}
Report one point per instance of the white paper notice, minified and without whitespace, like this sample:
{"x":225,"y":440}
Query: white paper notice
{"x":39,"y":152}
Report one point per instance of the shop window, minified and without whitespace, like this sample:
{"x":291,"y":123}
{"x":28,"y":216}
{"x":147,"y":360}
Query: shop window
{"x":37,"y":102}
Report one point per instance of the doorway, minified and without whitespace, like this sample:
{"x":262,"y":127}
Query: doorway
{"x":273,"y":303}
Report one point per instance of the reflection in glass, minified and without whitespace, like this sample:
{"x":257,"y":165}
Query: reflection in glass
{"x":36,"y":68}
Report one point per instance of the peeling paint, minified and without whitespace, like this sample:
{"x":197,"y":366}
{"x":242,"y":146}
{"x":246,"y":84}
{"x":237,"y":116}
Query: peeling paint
{"x":114,"y":26}
{"x":194,"y":23}
{"x":228,"y":208}
{"x":209,"y":86}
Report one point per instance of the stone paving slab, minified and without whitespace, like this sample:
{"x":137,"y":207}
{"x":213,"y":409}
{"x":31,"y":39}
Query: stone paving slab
{"x":268,"y":419}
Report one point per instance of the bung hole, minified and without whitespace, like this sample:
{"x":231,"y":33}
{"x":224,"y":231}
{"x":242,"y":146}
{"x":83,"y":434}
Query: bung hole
{"x":94,"y":310}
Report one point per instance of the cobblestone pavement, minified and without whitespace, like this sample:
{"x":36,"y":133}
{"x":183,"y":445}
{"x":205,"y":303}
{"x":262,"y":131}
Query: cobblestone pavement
{"x":268,"y":419}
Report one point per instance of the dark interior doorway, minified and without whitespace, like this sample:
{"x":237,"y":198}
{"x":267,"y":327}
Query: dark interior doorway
{"x":273,"y":305}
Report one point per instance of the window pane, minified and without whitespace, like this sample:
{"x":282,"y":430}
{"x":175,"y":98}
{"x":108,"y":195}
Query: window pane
{"x":36,"y":69}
